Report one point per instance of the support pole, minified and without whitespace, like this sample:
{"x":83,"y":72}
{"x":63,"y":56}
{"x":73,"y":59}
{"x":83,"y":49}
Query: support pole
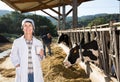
{"x":75,"y":17}
{"x":58,"y":18}
{"x":63,"y":16}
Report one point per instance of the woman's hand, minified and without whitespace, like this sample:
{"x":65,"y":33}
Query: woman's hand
{"x":18,"y":65}
{"x":41,"y":52}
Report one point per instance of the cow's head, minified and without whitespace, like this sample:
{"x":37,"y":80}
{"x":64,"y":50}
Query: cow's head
{"x":73,"y":56}
{"x":65,"y":39}
{"x":61,"y":38}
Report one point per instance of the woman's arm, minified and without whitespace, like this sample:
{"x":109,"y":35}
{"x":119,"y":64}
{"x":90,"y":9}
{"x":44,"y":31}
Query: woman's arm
{"x":15,"y":55}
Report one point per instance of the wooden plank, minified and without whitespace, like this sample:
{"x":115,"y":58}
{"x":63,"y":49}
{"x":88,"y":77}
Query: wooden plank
{"x":103,"y":51}
{"x":119,"y":57}
{"x":116,"y":54}
{"x":75,"y":37}
{"x":103,"y":27}
{"x":111,"y":60}
{"x":78,"y":37}
{"x":106,"y":52}
{"x":75,"y":15}
{"x":99,"y":48}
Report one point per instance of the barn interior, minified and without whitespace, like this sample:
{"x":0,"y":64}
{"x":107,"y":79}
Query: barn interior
{"x":34,"y":5}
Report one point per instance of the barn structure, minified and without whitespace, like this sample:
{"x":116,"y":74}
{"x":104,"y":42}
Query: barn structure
{"x":107,"y":35}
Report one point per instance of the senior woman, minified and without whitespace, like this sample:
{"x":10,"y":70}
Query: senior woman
{"x":26,"y":54}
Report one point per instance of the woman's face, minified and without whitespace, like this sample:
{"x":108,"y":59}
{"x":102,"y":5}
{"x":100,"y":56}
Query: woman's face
{"x":28,"y":28}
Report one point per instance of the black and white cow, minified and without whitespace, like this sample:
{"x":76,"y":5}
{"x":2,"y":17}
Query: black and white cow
{"x":64,"y":38}
{"x":89,"y":50}
{"x":89,"y":53}
{"x":72,"y":57}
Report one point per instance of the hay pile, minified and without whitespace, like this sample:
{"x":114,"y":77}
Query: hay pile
{"x":7,"y":71}
{"x":54,"y":70}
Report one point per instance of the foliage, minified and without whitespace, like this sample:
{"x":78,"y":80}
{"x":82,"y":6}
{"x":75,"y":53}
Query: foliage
{"x":104,"y":19}
{"x":11,"y":23}
{"x":10,"y":37}
{"x":91,"y":20}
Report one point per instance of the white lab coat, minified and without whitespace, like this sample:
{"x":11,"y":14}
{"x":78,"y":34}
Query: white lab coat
{"x":19,"y":55}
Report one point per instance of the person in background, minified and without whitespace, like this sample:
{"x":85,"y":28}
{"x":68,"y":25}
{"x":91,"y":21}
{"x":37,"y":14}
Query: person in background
{"x":26,"y":53}
{"x":47,"y":40}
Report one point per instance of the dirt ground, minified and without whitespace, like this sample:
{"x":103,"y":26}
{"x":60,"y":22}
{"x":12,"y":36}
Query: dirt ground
{"x":5,"y":46}
{"x":52,"y":66}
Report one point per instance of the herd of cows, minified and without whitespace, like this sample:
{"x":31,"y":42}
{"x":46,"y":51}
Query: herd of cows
{"x":89,"y":51}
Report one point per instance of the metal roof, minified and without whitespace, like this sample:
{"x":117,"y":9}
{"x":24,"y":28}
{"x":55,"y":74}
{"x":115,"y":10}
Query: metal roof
{"x":33,"y":5}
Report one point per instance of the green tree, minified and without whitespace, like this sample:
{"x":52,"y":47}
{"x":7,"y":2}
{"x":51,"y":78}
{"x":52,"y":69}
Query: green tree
{"x":97,"y":21}
{"x":11,"y":23}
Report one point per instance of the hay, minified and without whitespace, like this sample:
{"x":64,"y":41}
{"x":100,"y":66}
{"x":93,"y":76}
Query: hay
{"x":54,"y":70}
{"x":8,"y":73}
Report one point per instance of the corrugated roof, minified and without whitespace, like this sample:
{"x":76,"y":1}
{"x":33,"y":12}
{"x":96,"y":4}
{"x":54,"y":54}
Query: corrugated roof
{"x":33,"y":5}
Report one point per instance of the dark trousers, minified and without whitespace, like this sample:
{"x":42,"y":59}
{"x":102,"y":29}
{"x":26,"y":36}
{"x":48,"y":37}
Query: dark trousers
{"x":30,"y":77}
{"x":48,"y":47}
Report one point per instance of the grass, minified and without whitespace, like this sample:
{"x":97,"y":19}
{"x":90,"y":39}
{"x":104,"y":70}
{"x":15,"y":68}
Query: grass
{"x":10,"y":37}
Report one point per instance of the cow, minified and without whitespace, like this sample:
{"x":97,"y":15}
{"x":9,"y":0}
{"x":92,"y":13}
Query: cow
{"x":64,"y":38}
{"x":87,"y":54}
{"x":90,"y":45}
{"x":89,"y":51}
{"x":72,"y":57}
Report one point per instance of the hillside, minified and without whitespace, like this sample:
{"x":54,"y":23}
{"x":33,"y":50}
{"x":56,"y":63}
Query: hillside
{"x":82,"y":21}
{"x":3,"y":12}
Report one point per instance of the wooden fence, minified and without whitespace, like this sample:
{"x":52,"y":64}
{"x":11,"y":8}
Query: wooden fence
{"x":108,"y":40}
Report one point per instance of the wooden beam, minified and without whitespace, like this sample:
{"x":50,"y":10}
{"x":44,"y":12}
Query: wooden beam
{"x":20,"y":1}
{"x":12,"y":5}
{"x":58,"y":18}
{"x":67,"y":13}
{"x":75,"y":17}
{"x":41,"y":8}
{"x":49,"y":15}
{"x":64,"y":18}
{"x":49,"y":7}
